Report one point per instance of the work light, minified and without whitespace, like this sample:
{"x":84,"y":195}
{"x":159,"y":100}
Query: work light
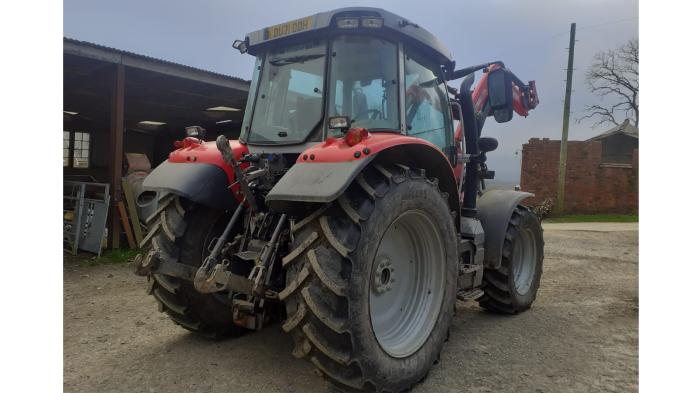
{"x":348,"y":23}
{"x":372,"y":22}
{"x":338,"y":122}
{"x":240,"y":45}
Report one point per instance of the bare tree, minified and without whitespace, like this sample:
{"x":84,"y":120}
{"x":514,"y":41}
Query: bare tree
{"x":614,"y":76}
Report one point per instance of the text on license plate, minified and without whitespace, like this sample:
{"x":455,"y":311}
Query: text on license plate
{"x":292,"y":27}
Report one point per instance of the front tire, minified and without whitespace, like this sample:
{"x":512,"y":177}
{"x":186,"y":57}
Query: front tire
{"x":512,"y":288}
{"x":340,"y":269}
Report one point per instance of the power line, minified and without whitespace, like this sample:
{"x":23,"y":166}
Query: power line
{"x":608,"y":23}
{"x":524,"y":40}
{"x":594,"y":26}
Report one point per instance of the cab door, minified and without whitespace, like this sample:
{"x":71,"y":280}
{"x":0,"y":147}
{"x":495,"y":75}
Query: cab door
{"x":428,"y":114}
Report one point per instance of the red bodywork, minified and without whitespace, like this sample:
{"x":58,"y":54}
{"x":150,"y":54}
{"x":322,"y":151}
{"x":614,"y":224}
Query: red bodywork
{"x":195,"y":151}
{"x":331,"y":150}
{"x":337,"y":149}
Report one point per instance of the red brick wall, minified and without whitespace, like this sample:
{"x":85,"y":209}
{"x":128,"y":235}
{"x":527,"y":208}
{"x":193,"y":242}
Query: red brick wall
{"x":590,"y":186}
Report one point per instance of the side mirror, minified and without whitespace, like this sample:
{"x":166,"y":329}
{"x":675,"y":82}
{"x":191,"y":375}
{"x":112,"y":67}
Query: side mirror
{"x":500,"y":84}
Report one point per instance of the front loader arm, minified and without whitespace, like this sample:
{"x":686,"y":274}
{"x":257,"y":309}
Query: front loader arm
{"x":524,"y":95}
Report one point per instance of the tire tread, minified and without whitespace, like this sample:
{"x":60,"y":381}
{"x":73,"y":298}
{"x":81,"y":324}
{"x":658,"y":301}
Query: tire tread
{"x":316,"y":292}
{"x":498,"y":296}
{"x":175,"y":297}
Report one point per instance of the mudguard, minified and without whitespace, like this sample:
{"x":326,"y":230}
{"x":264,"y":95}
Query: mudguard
{"x":205,"y":184}
{"x":494,"y":209}
{"x":320,"y":183}
{"x":197,"y":171}
{"x":323,"y":172}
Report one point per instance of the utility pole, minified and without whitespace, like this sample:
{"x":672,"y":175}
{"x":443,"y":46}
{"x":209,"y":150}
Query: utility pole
{"x":559,"y":209}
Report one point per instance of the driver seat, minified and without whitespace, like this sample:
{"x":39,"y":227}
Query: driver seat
{"x":359,"y":102}
{"x":303,"y":121}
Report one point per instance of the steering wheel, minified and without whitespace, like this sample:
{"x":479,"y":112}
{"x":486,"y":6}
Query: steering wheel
{"x":369,"y":112}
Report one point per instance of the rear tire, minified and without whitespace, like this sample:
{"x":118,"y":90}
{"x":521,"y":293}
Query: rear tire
{"x":332,"y":274}
{"x":182,"y":235}
{"x":512,"y":288}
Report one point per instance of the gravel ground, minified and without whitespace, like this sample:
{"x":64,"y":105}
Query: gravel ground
{"x":592,"y":226}
{"x":580,"y":336}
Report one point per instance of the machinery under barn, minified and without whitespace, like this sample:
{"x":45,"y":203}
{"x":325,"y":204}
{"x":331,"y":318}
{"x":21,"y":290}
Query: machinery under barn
{"x":122,"y":112}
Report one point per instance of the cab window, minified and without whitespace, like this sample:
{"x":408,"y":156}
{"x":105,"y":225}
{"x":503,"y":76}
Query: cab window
{"x":427,"y":115}
{"x":364,"y":82}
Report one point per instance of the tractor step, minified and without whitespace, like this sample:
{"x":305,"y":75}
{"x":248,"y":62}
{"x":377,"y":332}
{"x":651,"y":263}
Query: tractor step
{"x":465,"y":245}
{"x":470,"y":277}
{"x":472,"y":294}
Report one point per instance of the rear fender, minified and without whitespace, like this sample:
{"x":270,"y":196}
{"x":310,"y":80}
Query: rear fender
{"x":205,"y":184}
{"x":323,"y":172}
{"x":433,"y":161}
{"x":198,"y":172}
{"x":494,"y":209}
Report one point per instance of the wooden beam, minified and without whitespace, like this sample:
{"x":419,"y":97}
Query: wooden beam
{"x":224,"y":99}
{"x":150,"y":64}
{"x":116,"y":148}
{"x":125,"y":225}
{"x":133,"y":213}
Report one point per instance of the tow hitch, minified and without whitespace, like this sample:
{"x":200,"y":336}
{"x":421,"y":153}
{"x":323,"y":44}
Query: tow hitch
{"x":205,"y":281}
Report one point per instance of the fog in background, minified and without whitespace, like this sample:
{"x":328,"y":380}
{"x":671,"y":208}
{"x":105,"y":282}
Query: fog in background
{"x":529,"y":36}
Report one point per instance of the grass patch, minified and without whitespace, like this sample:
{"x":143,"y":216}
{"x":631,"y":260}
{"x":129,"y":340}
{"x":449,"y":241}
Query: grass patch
{"x":594,"y":218}
{"x":109,"y":257}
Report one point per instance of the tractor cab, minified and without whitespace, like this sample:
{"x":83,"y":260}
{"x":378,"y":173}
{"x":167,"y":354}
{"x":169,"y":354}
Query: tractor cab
{"x":318,"y":76}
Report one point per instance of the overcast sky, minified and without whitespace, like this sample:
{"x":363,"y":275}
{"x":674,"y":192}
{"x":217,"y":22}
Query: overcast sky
{"x":529,"y":36}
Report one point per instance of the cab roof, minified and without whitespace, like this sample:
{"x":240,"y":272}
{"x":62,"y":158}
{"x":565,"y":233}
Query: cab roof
{"x":319,"y":25}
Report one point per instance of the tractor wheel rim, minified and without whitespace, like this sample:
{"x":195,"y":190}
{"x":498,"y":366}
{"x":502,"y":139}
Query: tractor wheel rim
{"x":407,"y":284}
{"x":524,"y":252}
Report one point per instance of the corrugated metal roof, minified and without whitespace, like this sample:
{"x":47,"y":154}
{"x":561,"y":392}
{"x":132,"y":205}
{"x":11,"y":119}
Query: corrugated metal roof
{"x":625,"y":128}
{"x":149,"y":58}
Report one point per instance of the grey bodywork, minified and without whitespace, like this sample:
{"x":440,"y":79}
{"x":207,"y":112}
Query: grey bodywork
{"x":206,"y":184}
{"x":317,"y":183}
{"x":494,"y":210}
{"x":393,"y":25}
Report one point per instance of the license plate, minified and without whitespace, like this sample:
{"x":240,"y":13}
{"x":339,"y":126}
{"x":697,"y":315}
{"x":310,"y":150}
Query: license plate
{"x":288,"y":28}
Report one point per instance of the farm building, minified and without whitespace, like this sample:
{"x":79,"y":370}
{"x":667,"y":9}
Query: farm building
{"x":601,"y":172}
{"x":118,"y":104}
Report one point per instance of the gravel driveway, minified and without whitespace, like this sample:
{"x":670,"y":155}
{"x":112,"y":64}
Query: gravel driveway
{"x":580,"y":336}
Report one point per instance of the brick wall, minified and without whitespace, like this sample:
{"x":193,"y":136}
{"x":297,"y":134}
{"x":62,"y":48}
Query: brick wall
{"x":591,"y":186}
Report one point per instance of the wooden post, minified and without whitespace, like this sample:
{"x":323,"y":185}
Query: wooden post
{"x":125,"y":224}
{"x":133,"y":212}
{"x":116,"y":148}
{"x":559,"y":209}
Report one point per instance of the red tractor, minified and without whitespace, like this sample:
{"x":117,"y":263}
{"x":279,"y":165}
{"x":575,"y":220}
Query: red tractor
{"x":352,"y":208}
